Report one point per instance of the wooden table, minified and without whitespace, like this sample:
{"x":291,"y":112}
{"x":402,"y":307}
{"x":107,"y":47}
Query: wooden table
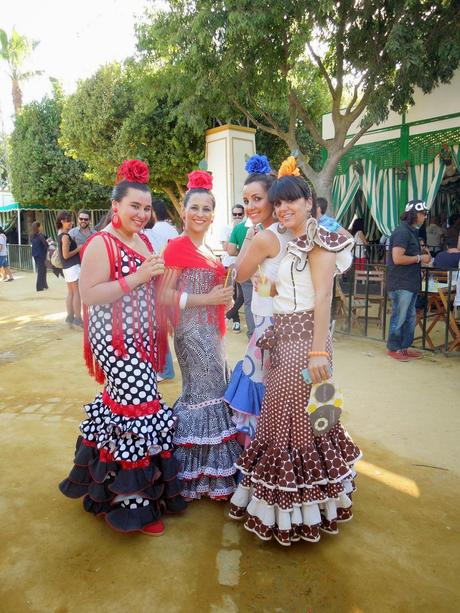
{"x":436,"y":311}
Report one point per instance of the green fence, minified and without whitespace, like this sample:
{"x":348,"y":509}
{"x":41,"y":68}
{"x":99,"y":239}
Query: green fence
{"x":20,"y":257}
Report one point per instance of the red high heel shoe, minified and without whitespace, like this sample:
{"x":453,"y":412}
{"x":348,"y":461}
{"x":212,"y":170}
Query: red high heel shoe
{"x":156,"y":528}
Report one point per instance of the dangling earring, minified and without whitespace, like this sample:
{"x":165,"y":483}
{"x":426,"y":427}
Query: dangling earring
{"x":274,"y":215}
{"x":116,"y":221}
{"x":281,"y":229}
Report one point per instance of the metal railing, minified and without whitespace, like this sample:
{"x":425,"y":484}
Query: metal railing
{"x":361,"y":305}
{"x":20,"y":257}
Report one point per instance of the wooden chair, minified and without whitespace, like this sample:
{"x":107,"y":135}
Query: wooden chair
{"x":453,"y":326}
{"x":376,"y":293}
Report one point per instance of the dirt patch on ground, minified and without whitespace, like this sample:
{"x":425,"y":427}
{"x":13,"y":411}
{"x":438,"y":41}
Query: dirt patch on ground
{"x":400,"y":552}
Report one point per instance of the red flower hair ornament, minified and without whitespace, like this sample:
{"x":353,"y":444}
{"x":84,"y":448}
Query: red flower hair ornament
{"x":200,"y":179}
{"x":133,"y":171}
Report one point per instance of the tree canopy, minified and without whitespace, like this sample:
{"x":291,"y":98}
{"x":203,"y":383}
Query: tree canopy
{"x":279,"y":63}
{"x":40,"y":171}
{"x":129,"y":112}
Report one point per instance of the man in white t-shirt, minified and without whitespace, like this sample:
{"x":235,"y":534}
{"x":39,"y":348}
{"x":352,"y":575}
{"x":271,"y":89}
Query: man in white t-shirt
{"x":434,"y":235}
{"x":228,"y":260}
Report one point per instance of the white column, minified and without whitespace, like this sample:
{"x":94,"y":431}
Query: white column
{"x":227,"y":148}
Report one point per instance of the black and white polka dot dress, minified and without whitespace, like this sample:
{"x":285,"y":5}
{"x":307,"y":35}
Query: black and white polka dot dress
{"x":124,"y":466}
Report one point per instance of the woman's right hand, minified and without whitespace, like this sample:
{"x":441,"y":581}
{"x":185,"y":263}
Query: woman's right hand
{"x":152,"y":266}
{"x":219,"y":295}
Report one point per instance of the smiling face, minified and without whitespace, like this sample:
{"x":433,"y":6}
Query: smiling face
{"x":134,"y":210}
{"x":67,"y":224}
{"x":293,"y":214}
{"x":256,"y":203}
{"x":198,"y":214}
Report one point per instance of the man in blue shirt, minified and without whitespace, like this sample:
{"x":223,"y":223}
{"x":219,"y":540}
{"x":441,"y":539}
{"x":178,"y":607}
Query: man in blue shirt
{"x":404,"y":280}
{"x":324,"y":220}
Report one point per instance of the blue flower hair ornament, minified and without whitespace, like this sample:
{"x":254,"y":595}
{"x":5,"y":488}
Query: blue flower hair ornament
{"x":258,"y":164}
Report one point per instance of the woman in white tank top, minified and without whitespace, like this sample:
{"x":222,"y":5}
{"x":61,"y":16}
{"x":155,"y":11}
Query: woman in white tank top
{"x":262,"y":252}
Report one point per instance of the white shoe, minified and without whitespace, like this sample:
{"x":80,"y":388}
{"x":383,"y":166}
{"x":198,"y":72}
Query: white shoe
{"x":236,"y":327}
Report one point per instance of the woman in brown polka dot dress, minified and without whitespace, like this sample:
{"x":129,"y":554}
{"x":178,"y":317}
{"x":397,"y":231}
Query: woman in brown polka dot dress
{"x":295,"y":483}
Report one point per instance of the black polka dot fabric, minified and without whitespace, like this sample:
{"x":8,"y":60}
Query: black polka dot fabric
{"x":126,"y":444}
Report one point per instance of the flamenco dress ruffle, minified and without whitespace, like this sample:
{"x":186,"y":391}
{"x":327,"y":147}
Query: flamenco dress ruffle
{"x":246,"y":389}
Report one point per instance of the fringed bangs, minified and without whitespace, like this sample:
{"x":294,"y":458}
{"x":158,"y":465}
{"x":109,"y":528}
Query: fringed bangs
{"x":288,"y":188}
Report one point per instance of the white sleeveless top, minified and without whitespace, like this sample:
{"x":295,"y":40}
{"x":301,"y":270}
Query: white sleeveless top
{"x":294,"y":285}
{"x":263,"y":305}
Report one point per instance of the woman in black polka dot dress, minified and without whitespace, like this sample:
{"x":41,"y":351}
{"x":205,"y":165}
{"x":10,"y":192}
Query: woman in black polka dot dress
{"x":124,"y":466}
{"x":297,"y":480}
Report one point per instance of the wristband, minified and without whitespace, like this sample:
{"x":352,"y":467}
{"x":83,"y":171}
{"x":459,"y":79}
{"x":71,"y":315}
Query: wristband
{"x":313,"y":354}
{"x":183,"y":300}
{"x":124,"y":285}
{"x":419,"y":258}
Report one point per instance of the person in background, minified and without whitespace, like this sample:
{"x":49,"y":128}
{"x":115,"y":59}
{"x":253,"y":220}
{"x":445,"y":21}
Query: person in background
{"x":83,"y":231}
{"x":234,"y":245}
{"x":361,"y":242}
{"x":69,"y":252}
{"x":453,"y":230}
{"x":404,"y":281}
{"x":5,"y":271}
{"x":39,"y":253}
{"x":229,"y":260}
{"x":159,"y":234}
{"x":450,"y":258}
{"x":328,"y":222}
{"x":434,"y":236}
{"x":163,"y":229}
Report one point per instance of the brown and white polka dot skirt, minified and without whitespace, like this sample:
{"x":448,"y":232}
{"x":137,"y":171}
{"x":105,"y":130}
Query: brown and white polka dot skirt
{"x":295,"y":483}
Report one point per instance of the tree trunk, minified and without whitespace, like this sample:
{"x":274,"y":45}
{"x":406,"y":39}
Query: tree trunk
{"x":323,"y":189}
{"x":17,"y":96}
{"x":172,"y":196}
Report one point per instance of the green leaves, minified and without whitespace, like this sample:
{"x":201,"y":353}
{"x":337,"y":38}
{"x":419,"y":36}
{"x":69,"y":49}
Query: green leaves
{"x":40,"y":172}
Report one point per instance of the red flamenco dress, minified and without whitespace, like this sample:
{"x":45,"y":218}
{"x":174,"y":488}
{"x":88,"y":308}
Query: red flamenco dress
{"x":124,"y":465}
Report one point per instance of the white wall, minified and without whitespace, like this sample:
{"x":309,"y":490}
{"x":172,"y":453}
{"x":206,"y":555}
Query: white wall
{"x":444,"y":100}
{"x":226,"y":150}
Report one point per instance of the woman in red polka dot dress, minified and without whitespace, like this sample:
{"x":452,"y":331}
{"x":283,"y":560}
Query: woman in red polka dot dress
{"x":297,"y":483}
{"x":124,"y":466}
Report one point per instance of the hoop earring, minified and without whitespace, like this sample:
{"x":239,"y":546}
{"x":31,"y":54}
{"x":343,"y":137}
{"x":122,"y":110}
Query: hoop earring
{"x":281,"y":229}
{"x":116,"y":221}
{"x":274,"y":215}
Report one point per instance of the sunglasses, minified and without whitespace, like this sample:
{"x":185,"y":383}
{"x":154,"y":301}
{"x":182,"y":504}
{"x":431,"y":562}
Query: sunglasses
{"x":83,"y":219}
{"x":418,"y":206}
{"x":238,"y":214}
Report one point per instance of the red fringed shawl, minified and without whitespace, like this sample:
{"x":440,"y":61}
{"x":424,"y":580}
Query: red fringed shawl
{"x":180,"y":254}
{"x":143,"y":341}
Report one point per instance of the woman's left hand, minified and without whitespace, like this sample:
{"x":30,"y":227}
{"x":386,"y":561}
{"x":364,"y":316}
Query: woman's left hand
{"x":157,"y":265}
{"x":318,"y":367}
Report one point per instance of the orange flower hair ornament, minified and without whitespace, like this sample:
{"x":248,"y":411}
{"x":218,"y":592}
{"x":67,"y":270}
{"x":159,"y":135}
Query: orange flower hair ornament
{"x":289,"y":168}
{"x":134,"y":171}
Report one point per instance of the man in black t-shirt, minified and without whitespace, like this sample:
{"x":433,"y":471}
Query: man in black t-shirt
{"x":404,"y":280}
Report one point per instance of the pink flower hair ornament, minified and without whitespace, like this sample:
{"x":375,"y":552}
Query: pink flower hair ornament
{"x":199,"y":179}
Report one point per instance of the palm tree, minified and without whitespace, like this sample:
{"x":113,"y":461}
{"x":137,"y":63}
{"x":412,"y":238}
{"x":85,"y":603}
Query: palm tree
{"x":15,"y":50}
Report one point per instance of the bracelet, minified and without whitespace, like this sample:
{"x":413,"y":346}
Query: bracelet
{"x":124,"y":285}
{"x":419,"y":259}
{"x":183,"y":300}
{"x":313,"y":354}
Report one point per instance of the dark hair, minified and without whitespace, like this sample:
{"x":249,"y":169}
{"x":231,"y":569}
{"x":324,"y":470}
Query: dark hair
{"x":35,"y":227}
{"x":255,"y":177}
{"x":121,"y":189}
{"x":321,"y":204}
{"x":289,"y":188}
{"x":452,"y":241}
{"x":410,"y":217}
{"x":2,"y":231}
{"x":160,"y":210}
{"x":85,"y":212}
{"x":358,"y":225}
{"x":199,"y":190}
{"x":63,"y":216}
{"x":238,"y":206}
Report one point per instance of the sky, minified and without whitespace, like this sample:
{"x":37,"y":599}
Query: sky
{"x":75,"y":39}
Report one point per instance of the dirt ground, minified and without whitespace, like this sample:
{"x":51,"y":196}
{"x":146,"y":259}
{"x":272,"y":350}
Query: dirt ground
{"x":400,"y":554}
